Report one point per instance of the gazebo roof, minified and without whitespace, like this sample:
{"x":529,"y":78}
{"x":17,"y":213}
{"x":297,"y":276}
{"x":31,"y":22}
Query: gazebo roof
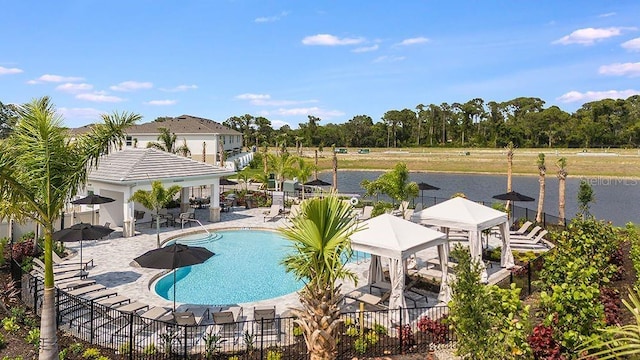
{"x":132,"y":165}
{"x":460,"y":213}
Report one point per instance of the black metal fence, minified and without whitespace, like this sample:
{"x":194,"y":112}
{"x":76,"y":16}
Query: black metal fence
{"x":131,"y":336}
{"x":524,"y":277}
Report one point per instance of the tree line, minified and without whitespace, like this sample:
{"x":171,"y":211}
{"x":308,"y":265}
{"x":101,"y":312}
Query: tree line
{"x":525,"y":121}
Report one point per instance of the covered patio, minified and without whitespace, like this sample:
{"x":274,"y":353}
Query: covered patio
{"x":120,"y":174}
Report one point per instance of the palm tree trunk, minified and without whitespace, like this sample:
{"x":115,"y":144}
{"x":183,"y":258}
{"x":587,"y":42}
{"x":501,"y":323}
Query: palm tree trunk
{"x":48,"y":328}
{"x":335,"y":171}
{"x":509,"y":175}
{"x":158,"y":228}
{"x":541,"y":180}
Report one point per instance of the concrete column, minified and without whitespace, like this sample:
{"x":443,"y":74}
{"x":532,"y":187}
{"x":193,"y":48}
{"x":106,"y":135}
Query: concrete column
{"x":129,"y":223}
{"x":214,"y":207}
{"x":184,"y":199}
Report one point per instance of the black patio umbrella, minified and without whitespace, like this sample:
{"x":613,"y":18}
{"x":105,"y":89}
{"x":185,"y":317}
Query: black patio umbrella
{"x":513,"y":196}
{"x":173,"y":257}
{"x":93,"y":199}
{"x":424,"y":186}
{"x":317,"y":182}
{"x":225,"y":181}
{"x":80,"y":232}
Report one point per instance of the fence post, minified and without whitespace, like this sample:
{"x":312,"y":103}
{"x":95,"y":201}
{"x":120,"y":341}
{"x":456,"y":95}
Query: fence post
{"x":131,"y":335}
{"x":35,"y":294}
{"x":529,"y":275}
{"x":262,"y":338}
{"x":186,"y":353}
{"x":401,"y":333}
{"x":91,"y":326}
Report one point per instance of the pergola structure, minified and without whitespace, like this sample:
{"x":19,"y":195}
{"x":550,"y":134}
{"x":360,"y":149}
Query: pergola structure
{"x":120,"y":174}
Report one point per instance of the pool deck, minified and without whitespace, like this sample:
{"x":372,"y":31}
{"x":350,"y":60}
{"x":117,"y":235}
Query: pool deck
{"x":114,"y":266}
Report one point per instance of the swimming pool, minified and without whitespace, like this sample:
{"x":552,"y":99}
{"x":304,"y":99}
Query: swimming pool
{"x":245,"y":268}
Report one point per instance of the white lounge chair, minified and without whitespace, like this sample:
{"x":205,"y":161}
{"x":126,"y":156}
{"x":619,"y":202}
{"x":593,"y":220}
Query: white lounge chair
{"x":522,"y":229}
{"x":366,"y":212}
{"x":528,"y":236}
{"x":57,"y":260}
{"x":537,"y":239}
{"x":227,"y":323}
{"x":267,"y":322}
{"x":273,"y":212}
{"x":294,"y":211}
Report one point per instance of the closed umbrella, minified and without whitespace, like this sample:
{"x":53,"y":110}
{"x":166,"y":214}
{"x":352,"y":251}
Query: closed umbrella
{"x":93,"y":199}
{"x":80,"y":232}
{"x":173,"y":257}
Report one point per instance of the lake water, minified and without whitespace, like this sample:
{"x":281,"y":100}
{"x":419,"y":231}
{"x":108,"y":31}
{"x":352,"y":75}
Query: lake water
{"x":617,"y":200}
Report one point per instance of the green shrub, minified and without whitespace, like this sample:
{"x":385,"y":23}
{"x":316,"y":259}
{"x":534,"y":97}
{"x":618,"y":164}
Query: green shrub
{"x":3,"y":342}
{"x":298,"y":331}
{"x":62,"y":355}
{"x":19,"y":313}
{"x":372,"y":337}
{"x":33,"y":337}
{"x":10,"y":324}
{"x":234,"y":357}
{"x":124,"y":348}
{"x":352,"y":331}
{"x":349,"y":322}
{"x":91,"y":354}
{"x":274,"y":355}
{"x":76,"y":348}
{"x":380,"y":329}
{"x":360,"y":346}
{"x":381,"y":207}
{"x":150,"y":350}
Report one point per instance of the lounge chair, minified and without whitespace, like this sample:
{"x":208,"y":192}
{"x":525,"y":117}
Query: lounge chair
{"x":366,"y":213}
{"x":294,"y":211}
{"x":114,"y":300}
{"x":404,"y":205}
{"x":86,"y":289}
{"x":60,"y":261}
{"x":523,"y":229}
{"x":37,"y":263}
{"x":528,"y":236}
{"x":227,"y":323}
{"x":266,"y":321}
{"x":417,"y":208}
{"x":190,"y":322}
{"x":132,"y":307}
{"x":273,"y":212}
{"x":95,"y":295}
{"x":537,"y":239}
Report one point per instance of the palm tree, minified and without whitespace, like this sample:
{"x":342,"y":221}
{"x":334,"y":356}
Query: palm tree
{"x":183,"y":149}
{"x":40,"y":170}
{"x":166,"y":141}
{"x":303,"y":172}
{"x":320,"y":241}
{"x":562,"y":178}
{"x":542,"y":170}
{"x":282,"y":166}
{"x":155,"y":200}
{"x":334,"y":163}
{"x":509,"y":148}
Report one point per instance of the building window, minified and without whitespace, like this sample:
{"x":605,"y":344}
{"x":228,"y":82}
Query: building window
{"x":224,"y":141}
{"x":129,"y":141}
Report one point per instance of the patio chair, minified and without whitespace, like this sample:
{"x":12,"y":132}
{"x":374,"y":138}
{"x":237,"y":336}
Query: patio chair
{"x":294,"y":211}
{"x":528,"y":236}
{"x":522,"y":229}
{"x":187,"y":217}
{"x":227,"y":323}
{"x":273,"y":212}
{"x":366,"y":212}
{"x":57,"y":260}
{"x":267,"y":323}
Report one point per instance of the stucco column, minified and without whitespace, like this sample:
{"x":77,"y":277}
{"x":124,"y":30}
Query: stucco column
{"x":184,"y":200}
{"x":129,"y":222}
{"x":214,"y":207}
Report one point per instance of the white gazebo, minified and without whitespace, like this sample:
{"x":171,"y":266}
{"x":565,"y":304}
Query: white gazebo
{"x":460,"y":213}
{"x":120,"y":174}
{"x":397,"y":239}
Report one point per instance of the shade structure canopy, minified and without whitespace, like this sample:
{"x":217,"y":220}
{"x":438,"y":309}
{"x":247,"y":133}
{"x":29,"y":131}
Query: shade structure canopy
{"x":93,"y":199}
{"x":173,"y":257}
{"x":425,"y":186}
{"x":317,"y":182}
{"x":227,"y":182}
{"x":397,"y":239}
{"x":80,"y":232}
{"x":460,"y":213}
{"x":513,"y":196}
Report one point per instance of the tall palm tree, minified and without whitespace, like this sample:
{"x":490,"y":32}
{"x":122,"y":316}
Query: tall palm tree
{"x":155,"y":200}
{"x":334,"y":163}
{"x":510,"y":149}
{"x":562,"y":178}
{"x":166,"y":141}
{"x":40,"y":170}
{"x":282,"y":166}
{"x":542,"y":171}
{"x":320,"y":241}
{"x":303,"y":172}
{"x":183,"y":149}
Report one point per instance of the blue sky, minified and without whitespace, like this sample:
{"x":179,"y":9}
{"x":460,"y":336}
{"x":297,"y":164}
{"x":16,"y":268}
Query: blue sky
{"x":333,"y":59}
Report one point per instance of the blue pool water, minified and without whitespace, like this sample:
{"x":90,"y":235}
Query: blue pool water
{"x":246,"y":267}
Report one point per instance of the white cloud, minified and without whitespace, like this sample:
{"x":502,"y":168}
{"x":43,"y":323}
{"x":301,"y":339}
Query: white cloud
{"x":249,"y":96}
{"x":414,"y":41}
{"x":74,"y":88}
{"x":316,"y":111}
{"x":588,"y":36}
{"x":621,"y":69}
{"x":180,"y":88}
{"x":277,"y":124}
{"x":161,"y":102}
{"x":609,"y":14}
{"x":54,"y":79}
{"x":266,"y":19}
{"x":365,"y":49}
{"x":330,"y":40}
{"x":632,"y":45}
{"x":99,"y":97}
{"x":576,"y":96}
{"x":83,"y":113}
{"x":385,"y":58}
{"x":131,"y":86}
{"x":9,"y":71}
